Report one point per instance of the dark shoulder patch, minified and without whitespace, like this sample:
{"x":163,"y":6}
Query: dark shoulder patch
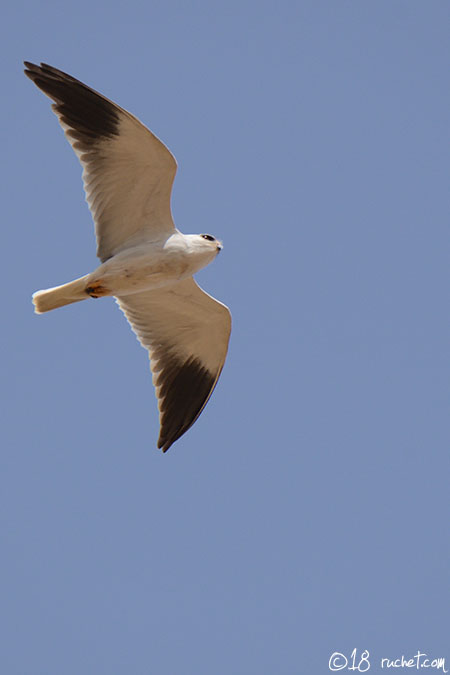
{"x":90,"y":115}
{"x":185,"y":390}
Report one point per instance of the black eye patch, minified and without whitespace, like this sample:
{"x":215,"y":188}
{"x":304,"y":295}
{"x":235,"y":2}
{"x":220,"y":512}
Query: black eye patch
{"x":208,"y":237}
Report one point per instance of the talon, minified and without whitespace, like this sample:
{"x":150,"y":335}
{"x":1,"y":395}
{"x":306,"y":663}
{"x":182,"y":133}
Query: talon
{"x":97,"y":290}
{"x":90,"y":291}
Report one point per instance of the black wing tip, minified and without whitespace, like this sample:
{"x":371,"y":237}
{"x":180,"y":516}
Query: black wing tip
{"x":78,"y":106}
{"x":165,"y":446}
{"x":44,"y":75}
{"x":46,"y":69}
{"x":32,"y":70}
{"x":184,"y":398}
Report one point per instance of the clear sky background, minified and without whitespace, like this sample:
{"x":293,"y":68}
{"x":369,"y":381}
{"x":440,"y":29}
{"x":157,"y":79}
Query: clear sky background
{"x":307,"y":510}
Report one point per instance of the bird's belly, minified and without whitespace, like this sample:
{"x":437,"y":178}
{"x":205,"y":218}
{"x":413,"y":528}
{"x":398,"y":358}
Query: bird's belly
{"x":124,"y":275}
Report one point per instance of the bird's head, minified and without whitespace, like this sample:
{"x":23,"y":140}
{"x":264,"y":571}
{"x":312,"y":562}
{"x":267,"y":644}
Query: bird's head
{"x":211,"y":242}
{"x":202,"y":248}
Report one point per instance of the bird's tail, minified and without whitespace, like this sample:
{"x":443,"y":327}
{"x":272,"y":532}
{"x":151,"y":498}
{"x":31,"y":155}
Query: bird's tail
{"x":59,"y":296}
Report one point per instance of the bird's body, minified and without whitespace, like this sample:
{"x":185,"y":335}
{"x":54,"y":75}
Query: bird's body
{"x":145,"y":267}
{"x":146,"y":263}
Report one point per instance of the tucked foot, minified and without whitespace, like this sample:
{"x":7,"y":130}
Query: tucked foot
{"x":96,"y":290}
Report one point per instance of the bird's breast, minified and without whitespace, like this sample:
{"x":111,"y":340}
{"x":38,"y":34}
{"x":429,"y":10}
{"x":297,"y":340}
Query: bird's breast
{"x":144,"y":269}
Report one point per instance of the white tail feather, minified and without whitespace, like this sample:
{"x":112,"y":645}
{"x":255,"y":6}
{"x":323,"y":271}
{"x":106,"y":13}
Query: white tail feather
{"x":59,"y":296}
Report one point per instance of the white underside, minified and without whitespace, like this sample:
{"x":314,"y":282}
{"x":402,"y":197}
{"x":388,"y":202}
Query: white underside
{"x":151,"y":266}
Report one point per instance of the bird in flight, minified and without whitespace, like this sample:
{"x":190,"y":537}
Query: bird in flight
{"x":147,"y":264}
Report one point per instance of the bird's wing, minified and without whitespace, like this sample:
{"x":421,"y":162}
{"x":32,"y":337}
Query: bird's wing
{"x":186,"y":332}
{"x":127,"y":171}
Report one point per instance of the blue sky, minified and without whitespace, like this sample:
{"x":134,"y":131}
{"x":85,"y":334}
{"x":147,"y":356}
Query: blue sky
{"x":306,"y":512}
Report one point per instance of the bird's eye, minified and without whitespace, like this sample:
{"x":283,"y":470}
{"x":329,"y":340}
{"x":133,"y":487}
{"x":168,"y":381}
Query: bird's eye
{"x":208,"y":237}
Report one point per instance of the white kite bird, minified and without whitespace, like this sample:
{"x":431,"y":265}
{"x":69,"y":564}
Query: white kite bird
{"x":147,"y":264}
